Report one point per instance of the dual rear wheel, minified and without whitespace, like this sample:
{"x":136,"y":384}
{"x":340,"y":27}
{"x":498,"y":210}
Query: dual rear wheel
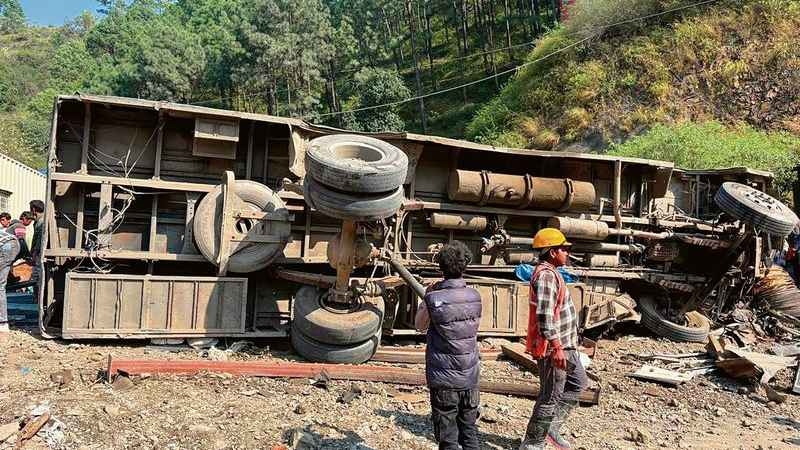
{"x":356,"y":179}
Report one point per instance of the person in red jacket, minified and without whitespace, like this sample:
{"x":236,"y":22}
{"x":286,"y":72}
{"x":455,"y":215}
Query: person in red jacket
{"x":553,"y":341}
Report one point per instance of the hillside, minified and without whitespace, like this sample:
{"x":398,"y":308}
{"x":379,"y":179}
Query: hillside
{"x":730,"y":63}
{"x":314,"y":59}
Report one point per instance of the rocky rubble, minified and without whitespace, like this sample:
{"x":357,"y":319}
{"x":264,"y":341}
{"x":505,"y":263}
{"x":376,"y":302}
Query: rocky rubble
{"x":218,"y":411}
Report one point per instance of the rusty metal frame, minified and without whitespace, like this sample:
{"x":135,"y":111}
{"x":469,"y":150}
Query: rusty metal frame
{"x":371,"y":373}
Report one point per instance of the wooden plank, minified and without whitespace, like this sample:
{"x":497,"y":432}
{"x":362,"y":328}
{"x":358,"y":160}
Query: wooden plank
{"x":516,"y":353}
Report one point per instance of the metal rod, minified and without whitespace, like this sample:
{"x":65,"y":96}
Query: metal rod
{"x":412,"y":282}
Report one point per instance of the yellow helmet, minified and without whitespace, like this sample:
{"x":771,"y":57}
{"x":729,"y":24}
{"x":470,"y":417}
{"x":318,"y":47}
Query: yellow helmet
{"x":549,"y":237}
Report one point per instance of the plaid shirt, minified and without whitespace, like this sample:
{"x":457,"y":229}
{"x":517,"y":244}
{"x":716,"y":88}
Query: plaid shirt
{"x":566,"y":328}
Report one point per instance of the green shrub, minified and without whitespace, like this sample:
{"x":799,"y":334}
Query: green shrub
{"x":711,"y":145}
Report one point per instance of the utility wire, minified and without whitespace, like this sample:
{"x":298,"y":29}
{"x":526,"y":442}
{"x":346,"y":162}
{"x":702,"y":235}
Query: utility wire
{"x":250,"y":94}
{"x":498,"y":74}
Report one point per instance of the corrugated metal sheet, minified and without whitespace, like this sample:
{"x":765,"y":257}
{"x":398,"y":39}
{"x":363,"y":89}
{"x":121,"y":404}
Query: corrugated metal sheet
{"x":21,"y":183}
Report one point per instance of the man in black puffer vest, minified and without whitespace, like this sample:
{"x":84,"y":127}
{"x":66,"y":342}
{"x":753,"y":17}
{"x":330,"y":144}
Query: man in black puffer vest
{"x":451,"y":313}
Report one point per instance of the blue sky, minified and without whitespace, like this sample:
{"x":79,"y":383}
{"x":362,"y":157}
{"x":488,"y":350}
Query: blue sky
{"x":55,"y":12}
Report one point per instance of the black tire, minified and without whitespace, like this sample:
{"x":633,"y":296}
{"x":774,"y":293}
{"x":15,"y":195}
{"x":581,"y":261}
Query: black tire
{"x":316,"y":351}
{"x":356,"y":207}
{"x":207,"y":227}
{"x":357,"y":164}
{"x":658,"y":324}
{"x":756,"y":208}
{"x":328,"y":327}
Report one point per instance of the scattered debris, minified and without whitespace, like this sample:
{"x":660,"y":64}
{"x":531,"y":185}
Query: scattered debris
{"x":351,"y":394}
{"x":796,"y":384}
{"x":62,"y":378}
{"x":744,"y":364}
{"x":321,"y":379}
{"x":773,"y":395}
{"x":299,"y":409}
{"x":122,"y":383}
{"x":202,"y":343}
{"x":653,"y":373}
{"x":32,"y":426}
{"x":787,"y":350}
{"x":302,"y":440}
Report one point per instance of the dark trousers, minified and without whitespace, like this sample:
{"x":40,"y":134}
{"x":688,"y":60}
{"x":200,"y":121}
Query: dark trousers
{"x":559,"y":385}
{"x":454,"y":414}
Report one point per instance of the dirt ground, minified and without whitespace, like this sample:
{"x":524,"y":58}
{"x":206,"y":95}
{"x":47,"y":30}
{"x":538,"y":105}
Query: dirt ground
{"x":215,"y":411}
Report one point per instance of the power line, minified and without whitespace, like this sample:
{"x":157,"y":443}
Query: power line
{"x":567,"y":47}
{"x":283,"y":91}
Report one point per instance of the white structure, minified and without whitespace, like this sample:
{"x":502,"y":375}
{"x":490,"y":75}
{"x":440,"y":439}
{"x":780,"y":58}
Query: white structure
{"x":19,"y":184}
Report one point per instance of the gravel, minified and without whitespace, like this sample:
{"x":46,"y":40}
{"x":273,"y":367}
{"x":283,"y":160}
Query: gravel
{"x":217,"y":411}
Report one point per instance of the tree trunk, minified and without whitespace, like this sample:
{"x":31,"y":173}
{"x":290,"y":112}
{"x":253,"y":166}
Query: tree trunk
{"x":429,"y":41}
{"x":535,"y":13}
{"x":491,"y":43}
{"x":480,"y":24}
{"x":556,"y":11}
{"x":456,"y":24}
{"x":508,"y":31}
{"x":464,"y":25}
{"x":387,"y":41}
{"x":412,"y":30}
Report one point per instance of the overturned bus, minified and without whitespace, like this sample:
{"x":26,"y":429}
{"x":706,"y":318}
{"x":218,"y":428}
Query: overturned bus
{"x":174,"y":221}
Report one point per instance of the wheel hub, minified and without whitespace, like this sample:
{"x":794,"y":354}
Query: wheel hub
{"x":762,"y":199}
{"x":339,"y":302}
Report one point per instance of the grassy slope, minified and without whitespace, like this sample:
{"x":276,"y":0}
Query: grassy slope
{"x":734,"y":62}
{"x":23,"y":58}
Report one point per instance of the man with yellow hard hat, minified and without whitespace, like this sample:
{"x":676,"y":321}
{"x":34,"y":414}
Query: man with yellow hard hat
{"x":553,"y":341}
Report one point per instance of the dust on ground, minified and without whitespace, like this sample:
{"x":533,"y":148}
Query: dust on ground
{"x":215,"y":411}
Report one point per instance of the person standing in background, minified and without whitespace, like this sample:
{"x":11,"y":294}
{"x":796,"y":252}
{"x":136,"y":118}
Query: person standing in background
{"x":9,"y":249}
